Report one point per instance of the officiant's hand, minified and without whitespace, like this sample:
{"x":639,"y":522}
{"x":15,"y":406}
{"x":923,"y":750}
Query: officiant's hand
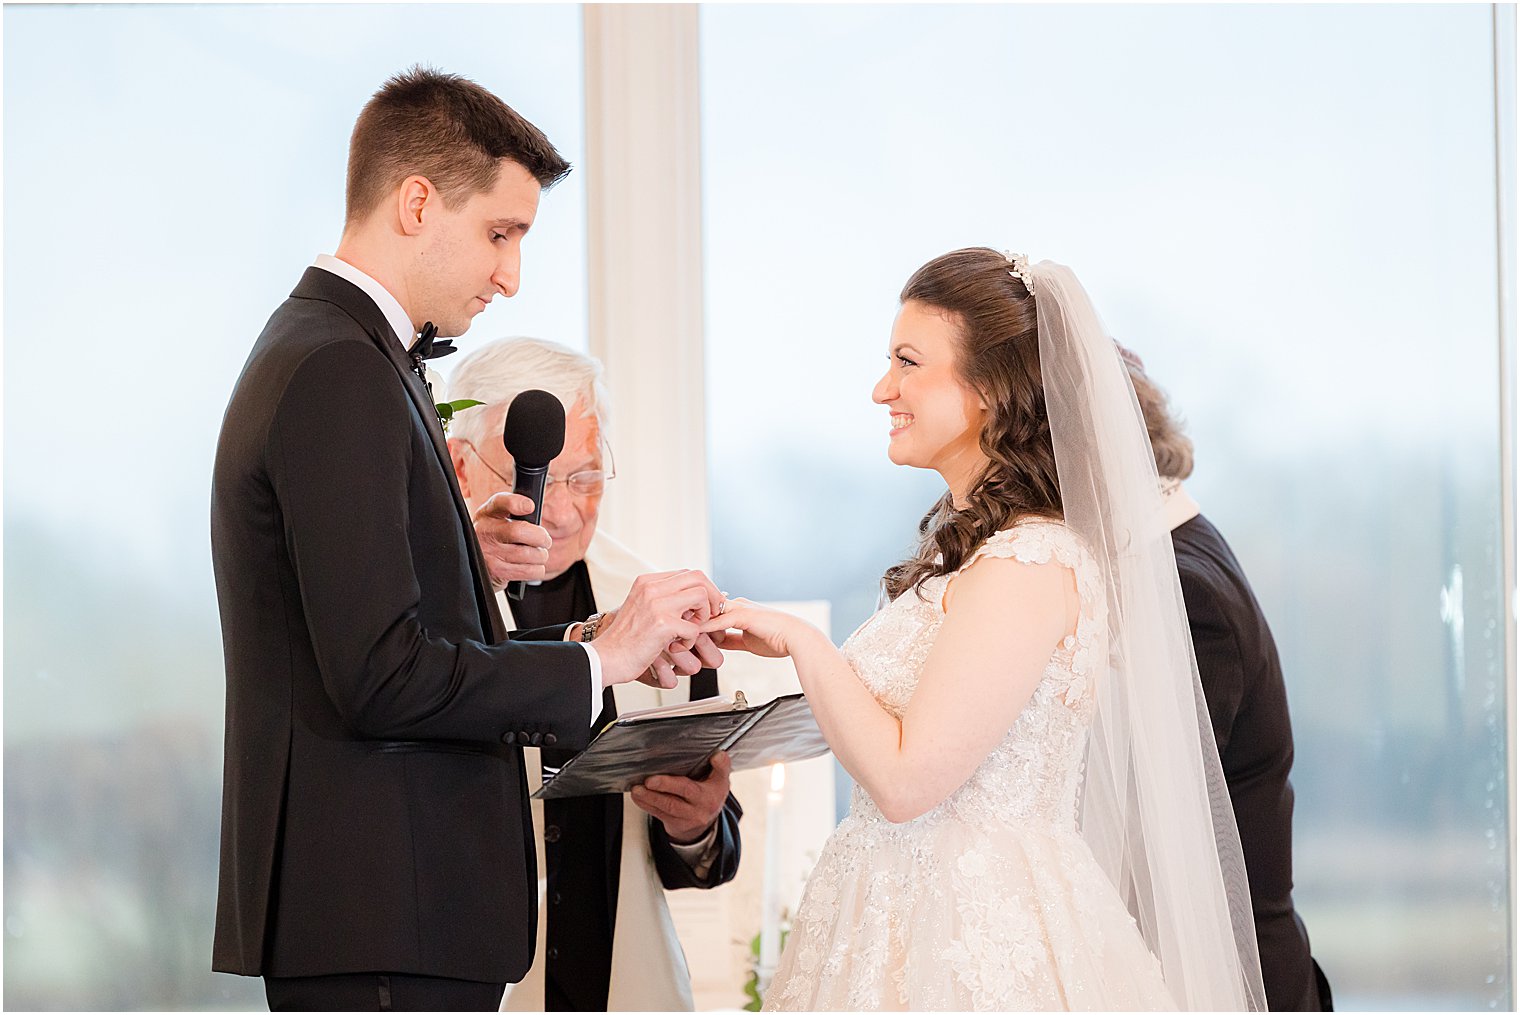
{"x":657,"y":628}
{"x":514,"y":550}
{"x":686,"y":807}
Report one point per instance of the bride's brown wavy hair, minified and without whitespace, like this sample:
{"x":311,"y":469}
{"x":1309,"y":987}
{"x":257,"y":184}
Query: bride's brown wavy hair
{"x":998,"y":356}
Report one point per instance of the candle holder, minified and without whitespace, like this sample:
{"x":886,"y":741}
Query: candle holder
{"x":758,"y":982}
{"x":769,"y":952}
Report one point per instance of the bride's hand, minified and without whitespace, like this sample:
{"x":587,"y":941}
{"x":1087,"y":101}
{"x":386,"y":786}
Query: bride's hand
{"x":758,"y":630}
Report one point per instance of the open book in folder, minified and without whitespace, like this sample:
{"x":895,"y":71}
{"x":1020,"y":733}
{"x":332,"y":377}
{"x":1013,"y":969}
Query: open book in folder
{"x":681,"y":740}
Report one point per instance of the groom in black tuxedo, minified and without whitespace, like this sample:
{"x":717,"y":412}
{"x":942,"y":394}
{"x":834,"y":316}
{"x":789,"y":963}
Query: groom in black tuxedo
{"x":376,"y":845}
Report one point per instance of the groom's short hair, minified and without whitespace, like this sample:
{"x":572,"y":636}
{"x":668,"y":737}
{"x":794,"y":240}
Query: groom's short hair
{"x":423,"y":122}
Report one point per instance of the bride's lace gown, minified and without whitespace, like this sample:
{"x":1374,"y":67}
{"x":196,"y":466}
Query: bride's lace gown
{"x":990,"y":901}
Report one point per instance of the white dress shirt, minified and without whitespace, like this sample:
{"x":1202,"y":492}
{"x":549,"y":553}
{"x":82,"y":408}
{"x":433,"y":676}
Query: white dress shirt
{"x":406,"y":334}
{"x":699,"y":855}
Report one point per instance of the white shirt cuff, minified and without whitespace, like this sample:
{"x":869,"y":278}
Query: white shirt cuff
{"x":697,"y":855}
{"x":596,"y":681}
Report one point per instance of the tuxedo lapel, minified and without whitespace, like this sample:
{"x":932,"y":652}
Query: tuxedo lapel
{"x":318,"y":284}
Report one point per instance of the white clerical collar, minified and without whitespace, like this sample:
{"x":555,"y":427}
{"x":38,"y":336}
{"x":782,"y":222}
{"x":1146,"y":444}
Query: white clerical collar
{"x":406,"y":334}
{"x":1177,"y":504}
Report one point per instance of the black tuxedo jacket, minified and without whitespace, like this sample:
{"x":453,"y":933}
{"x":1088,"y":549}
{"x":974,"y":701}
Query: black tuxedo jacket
{"x":1248,"y":705}
{"x":374,"y":807}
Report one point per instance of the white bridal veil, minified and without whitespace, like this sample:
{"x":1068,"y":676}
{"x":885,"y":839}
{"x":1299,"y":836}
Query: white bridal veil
{"x":1154,"y":807}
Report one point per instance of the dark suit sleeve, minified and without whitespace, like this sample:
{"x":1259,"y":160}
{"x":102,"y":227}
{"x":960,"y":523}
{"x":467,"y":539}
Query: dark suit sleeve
{"x":674,"y":873}
{"x":1221,"y":669}
{"x":554,"y":633}
{"x":339,"y":455}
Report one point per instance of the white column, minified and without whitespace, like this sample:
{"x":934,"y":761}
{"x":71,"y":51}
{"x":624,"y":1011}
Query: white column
{"x":1504,"y":149}
{"x":644,"y":269}
{"x":644,"y":216}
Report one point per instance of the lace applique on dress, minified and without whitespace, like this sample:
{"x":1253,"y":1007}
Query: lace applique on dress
{"x":991,"y":900}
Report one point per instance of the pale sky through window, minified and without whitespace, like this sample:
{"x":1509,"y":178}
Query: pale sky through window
{"x":1288,"y":212}
{"x":170,"y":171}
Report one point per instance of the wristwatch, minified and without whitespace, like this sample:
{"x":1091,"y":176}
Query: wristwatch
{"x":592,"y":625}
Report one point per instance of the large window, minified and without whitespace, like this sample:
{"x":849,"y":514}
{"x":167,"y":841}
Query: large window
{"x":1289,"y":212}
{"x":169,"y":173}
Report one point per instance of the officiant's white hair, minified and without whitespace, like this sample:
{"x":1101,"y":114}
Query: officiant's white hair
{"x":498,"y":372}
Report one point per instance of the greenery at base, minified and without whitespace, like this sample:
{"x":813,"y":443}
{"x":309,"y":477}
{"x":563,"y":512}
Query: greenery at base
{"x":752,"y":985}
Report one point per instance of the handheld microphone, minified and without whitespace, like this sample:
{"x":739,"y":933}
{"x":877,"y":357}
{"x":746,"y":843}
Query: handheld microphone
{"x":534,"y":435}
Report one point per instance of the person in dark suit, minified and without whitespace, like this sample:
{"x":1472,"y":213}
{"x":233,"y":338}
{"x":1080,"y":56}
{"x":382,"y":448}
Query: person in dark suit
{"x":609,"y":941}
{"x":1248,"y":706}
{"x":374,"y":812}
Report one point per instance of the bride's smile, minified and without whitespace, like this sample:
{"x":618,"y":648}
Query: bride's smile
{"x":936,"y":417}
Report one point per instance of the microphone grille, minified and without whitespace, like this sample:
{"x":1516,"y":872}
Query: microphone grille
{"x":534,"y":433}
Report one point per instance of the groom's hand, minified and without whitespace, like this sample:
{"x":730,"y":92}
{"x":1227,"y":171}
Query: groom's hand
{"x":657,"y":631}
{"x":680,"y":659}
{"x":686,"y":807}
{"x":514,"y":550}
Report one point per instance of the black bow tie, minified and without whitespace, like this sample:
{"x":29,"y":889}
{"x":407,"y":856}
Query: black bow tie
{"x":425,"y":349}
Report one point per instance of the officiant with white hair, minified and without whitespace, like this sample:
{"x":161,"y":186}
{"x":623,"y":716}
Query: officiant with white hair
{"x":606,"y":940}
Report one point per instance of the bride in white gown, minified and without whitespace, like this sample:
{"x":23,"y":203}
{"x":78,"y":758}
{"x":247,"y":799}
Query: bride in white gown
{"x":1039,"y":820}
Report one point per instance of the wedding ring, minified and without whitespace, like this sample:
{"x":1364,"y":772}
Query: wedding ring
{"x":723,"y":606}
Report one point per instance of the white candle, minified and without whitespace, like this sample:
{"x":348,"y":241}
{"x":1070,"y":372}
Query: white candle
{"x":770,"y":893}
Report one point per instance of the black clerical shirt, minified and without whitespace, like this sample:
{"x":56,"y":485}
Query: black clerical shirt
{"x":583,"y":836}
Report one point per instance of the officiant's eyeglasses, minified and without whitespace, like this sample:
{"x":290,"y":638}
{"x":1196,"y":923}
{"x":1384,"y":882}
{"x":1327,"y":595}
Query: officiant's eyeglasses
{"x":587,"y":483}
